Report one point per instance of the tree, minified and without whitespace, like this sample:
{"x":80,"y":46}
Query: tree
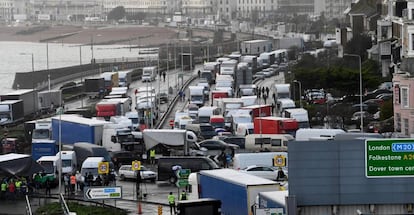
{"x":359,"y":44}
{"x":117,"y":13}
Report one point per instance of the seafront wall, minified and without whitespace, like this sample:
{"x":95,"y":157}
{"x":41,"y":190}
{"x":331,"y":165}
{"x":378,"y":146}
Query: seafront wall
{"x":39,"y":79}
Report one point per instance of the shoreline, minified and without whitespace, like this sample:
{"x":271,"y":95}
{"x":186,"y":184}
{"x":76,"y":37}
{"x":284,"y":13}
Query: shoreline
{"x":106,"y":35}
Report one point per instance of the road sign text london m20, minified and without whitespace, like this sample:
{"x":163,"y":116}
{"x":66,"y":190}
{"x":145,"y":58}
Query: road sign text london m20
{"x":389,"y":158}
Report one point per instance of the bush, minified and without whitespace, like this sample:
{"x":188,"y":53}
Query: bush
{"x":80,"y":209}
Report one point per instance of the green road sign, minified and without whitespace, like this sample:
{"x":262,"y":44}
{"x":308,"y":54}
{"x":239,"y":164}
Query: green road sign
{"x":389,"y":158}
{"x":183,"y":173}
{"x":181,"y":182}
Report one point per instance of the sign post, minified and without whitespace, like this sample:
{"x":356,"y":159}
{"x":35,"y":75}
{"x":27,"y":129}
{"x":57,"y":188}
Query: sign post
{"x":389,"y":158}
{"x":103,"y":193}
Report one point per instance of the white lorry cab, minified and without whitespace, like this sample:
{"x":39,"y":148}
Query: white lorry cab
{"x":149,"y":73}
{"x":90,"y":166}
{"x":69,"y":161}
{"x":196,"y":95}
{"x":306,"y":134}
{"x":50,"y":164}
{"x":283,"y":104}
{"x":300,"y":114}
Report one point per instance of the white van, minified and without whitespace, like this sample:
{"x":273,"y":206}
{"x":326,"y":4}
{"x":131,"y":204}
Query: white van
{"x":306,"y":134}
{"x":283,"y":104}
{"x":267,"y":142}
{"x":149,"y":73}
{"x":242,"y":160}
{"x":69,"y":161}
{"x":90,"y":165}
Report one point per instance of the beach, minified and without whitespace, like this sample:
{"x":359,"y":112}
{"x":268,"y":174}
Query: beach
{"x":102,"y":35}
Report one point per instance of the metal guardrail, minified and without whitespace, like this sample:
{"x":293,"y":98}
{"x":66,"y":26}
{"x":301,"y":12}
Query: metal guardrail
{"x":63,"y":204}
{"x":28,"y":206}
{"x":164,"y":117}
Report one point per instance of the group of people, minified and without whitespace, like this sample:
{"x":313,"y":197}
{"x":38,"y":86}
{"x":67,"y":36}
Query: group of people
{"x":171,"y":201}
{"x":13,"y":188}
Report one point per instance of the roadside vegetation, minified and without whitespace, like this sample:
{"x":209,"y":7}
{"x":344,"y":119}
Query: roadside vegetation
{"x":80,"y":209}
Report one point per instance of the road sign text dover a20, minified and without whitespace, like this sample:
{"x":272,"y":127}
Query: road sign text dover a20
{"x":389,"y":158}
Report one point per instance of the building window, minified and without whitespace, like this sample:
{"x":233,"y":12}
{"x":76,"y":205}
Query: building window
{"x":412,"y":42}
{"x":397,"y":122}
{"x":406,"y":133}
{"x":404,"y":97}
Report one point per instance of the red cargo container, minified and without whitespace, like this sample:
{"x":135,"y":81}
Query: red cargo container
{"x":105,"y":110}
{"x":275,"y":125}
{"x":259,"y":110}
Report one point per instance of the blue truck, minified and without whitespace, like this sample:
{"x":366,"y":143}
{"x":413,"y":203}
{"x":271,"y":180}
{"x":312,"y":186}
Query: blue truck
{"x":44,"y":148}
{"x":77,"y":129}
{"x":236,"y":190}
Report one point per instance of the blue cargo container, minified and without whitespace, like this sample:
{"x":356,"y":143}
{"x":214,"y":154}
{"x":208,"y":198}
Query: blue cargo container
{"x":77,"y":129}
{"x":236,"y":190}
{"x":44,"y":148}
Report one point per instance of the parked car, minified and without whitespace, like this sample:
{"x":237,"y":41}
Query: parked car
{"x":212,"y":144}
{"x":126,"y":172}
{"x":259,"y":75}
{"x":356,"y":117}
{"x":267,"y":172}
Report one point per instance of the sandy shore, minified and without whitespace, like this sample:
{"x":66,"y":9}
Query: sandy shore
{"x":136,"y":35}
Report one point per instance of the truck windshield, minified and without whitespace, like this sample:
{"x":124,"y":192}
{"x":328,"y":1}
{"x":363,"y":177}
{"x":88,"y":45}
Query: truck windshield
{"x":66,"y":163}
{"x":125,"y":138}
{"x":41,"y":134}
{"x":47,"y":166}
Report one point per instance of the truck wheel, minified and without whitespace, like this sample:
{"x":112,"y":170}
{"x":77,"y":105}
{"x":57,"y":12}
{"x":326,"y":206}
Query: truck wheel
{"x":172,"y":180}
{"x":122,"y":177}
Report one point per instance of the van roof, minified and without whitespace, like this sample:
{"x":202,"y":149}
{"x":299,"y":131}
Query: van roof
{"x":238,"y":177}
{"x":94,"y":159}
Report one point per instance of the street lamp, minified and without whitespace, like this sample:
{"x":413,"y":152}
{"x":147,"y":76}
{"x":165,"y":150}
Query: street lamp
{"x":300,"y":91}
{"x":32,"y":75}
{"x":360,"y":89}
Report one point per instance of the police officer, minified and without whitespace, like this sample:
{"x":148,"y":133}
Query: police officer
{"x":171,"y":201}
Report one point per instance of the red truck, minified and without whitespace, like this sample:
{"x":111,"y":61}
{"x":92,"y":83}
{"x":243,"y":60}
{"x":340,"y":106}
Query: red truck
{"x":275,"y":125}
{"x":259,"y":110}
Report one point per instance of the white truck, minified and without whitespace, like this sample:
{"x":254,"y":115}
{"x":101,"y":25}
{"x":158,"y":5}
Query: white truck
{"x":175,"y":141}
{"x":196,"y":95}
{"x":281,"y":90}
{"x":118,"y":137}
{"x":228,"y":67}
{"x":300,"y":114}
{"x":266,"y":59}
{"x":49,"y":100}
{"x":125,"y":78}
{"x":149,"y":73}
{"x":69,"y":161}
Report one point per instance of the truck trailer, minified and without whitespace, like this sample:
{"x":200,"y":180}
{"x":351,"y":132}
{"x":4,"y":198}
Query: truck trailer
{"x":95,"y":87}
{"x":236,"y":190}
{"x":29,"y":98}
{"x":49,"y":100}
{"x":77,"y":129}
{"x":11,"y":112}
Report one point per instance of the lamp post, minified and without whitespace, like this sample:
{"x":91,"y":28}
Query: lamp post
{"x":360,"y":89}
{"x":300,"y":91}
{"x":32,"y":75}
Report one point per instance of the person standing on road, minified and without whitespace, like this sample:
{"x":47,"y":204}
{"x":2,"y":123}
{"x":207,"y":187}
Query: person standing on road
{"x":183,"y":195}
{"x":171,"y":202}
{"x":163,"y":75}
{"x":152,"y":156}
{"x":78,"y":180}
{"x":72,"y":184}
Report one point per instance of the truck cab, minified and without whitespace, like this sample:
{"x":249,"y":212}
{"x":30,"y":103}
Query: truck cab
{"x":149,"y":74}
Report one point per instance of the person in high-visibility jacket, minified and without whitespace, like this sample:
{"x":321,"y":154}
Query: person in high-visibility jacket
{"x":171,"y":202}
{"x":152,"y":156}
